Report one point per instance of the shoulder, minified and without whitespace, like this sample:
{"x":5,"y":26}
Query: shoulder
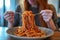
{"x":18,"y":9}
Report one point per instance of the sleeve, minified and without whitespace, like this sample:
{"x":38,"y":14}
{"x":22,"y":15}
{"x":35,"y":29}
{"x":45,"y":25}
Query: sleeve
{"x":18,"y":9}
{"x":54,"y":17}
{"x":17,"y":16}
{"x":16,"y":19}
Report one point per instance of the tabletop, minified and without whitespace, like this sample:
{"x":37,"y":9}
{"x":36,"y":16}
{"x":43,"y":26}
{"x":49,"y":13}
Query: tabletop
{"x":4,"y":36}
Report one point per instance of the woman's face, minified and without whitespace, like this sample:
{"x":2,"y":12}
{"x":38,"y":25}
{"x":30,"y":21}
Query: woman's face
{"x":32,"y":2}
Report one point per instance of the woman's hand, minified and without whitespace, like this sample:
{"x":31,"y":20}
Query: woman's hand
{"x":46,"y":14}
{"x":47,"y":17}
{"x":9,"y":16}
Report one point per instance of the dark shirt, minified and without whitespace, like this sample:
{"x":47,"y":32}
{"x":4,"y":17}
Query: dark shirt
{"x":35,"y":11}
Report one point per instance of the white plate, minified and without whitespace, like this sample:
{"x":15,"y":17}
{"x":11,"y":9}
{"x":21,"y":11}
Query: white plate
{"x":48,"y":32}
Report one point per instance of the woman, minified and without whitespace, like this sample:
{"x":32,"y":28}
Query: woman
{"x":47,"y":16}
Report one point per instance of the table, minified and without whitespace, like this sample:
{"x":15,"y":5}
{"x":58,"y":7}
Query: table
{"x":4,"y":36}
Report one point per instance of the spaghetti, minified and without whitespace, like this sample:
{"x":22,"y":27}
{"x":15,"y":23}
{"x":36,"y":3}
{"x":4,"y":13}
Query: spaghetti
{"x":29,"y":28}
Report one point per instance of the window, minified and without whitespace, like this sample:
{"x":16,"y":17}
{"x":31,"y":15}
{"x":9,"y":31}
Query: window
{"x":7,"y":3}
{"x":4,"y":4}
{"x":1,"y":3}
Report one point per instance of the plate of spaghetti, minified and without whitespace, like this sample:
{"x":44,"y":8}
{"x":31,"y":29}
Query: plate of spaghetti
{"x":29,"y":30}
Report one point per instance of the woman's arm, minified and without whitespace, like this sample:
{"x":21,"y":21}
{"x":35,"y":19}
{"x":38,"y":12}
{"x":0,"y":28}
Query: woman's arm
{"x":16,"y":17}
{"x":16,"y":21}
{"x":54,"y":16}
{"x":10,"y":24}
{"x":9,"y":16}
{"x":51,"y":24}
{"x":47,"y":17}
